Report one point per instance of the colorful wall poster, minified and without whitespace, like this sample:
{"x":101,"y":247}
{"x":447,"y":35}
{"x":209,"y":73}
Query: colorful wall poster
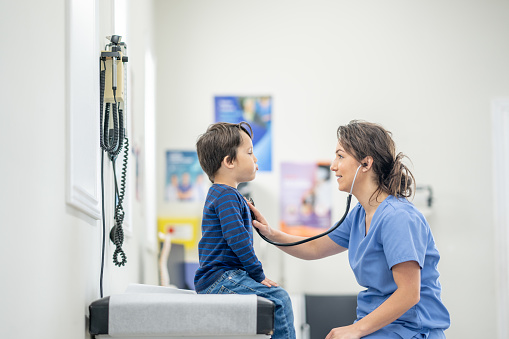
{"x":306,"y":206}
{"x":176,"y":236}
{"x":185,"y":179}
{"x":255,"y":110}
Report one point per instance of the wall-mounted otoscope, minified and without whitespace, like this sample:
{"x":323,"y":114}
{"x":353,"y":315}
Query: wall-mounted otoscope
{"x":112,"y":132}
{"x":114,"y":58}
{"x":113,"y":136}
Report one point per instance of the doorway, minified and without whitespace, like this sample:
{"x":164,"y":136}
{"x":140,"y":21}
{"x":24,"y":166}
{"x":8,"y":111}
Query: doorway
{"x":500,"y":127}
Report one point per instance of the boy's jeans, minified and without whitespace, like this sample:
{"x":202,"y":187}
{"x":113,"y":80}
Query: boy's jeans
{"x":239,"y":282}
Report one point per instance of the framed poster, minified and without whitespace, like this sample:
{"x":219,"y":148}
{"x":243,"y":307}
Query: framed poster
{"x":306,"y":206}
{"x":181,"y":230}
{"x":255,"y":110}
{"x":185,"y":179}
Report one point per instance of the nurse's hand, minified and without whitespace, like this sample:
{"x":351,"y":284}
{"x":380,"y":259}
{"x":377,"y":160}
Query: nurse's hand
{"x":346,"y":332}
{"x":260,"y":222}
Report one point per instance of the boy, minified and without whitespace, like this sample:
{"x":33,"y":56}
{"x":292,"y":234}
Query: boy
{"x":228,"y":263}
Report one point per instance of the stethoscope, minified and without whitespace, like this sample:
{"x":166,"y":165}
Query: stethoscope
{"x":348,"y":200}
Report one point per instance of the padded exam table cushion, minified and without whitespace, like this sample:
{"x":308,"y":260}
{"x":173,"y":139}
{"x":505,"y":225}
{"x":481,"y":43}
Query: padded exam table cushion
{"x":153,"y":311}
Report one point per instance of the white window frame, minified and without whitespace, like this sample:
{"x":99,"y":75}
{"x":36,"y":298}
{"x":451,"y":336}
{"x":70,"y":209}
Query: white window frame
{"x":82,"y":100}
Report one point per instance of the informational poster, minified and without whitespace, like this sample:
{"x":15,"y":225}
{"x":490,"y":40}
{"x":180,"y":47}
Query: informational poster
{"x":172,"y":231}
{"x":255,"y":110}
{"x":185,"y":179}
{"x":305,"y":198}
{"x":181,"y":230}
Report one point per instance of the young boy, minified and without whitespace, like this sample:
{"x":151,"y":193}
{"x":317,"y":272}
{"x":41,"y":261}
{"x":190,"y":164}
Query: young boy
{"x":228,"y":263}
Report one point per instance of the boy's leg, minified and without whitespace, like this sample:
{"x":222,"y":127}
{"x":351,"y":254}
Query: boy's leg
{"x":239,"y":282}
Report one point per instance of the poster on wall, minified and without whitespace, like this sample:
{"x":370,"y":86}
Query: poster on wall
{"x":171,"y":231}
{"x":181,"y":230}
{"x":255,"y":110}
{"x":185,"y":179}
{"x":305,"y":198}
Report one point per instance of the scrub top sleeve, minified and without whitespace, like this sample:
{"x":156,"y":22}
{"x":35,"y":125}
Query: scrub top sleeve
{"x":341,"y":235}
{"x":404,"y":238}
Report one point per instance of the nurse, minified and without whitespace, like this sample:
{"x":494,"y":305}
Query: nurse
{"x":390,"y":245}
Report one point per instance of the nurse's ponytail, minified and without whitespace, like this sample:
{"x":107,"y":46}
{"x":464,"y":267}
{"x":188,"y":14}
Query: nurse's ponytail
{"x":362,"y":139}
{"x":400,"y":181}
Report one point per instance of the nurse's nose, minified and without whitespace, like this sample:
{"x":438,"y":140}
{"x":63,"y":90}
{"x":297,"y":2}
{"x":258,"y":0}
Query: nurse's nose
{"x":333,"y":165}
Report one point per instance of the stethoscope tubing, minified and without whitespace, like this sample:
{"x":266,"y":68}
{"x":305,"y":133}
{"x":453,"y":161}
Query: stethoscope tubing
{"x":348,"y":201}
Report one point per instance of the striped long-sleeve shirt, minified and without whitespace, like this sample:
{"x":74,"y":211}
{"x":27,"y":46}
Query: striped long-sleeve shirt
{"x":227,"y":238}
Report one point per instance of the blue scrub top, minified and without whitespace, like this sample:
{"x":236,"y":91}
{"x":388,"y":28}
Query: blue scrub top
{"x":398,"y":233}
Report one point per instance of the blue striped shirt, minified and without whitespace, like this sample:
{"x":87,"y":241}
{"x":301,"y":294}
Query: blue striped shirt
{"x":227,"y":238}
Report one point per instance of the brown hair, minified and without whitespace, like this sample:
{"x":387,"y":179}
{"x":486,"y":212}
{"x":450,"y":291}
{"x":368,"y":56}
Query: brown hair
{"x":219,"y":141}
{"x":361,"y":139}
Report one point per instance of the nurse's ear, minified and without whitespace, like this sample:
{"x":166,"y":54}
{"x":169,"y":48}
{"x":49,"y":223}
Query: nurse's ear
{"x":367,"y":162}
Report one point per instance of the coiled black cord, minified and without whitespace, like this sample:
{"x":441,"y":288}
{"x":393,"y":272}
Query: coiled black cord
{"x":119,"y":133}
{"x":117,"y":232}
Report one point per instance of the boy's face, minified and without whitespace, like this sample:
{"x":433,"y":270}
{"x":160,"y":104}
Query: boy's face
{"x":245,"y":164}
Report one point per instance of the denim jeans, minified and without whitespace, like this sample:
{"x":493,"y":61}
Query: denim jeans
{"x":239,"y":282}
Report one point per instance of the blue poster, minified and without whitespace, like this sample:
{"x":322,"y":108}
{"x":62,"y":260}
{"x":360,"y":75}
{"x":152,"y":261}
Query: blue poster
{"x":255,"y":110}
{"x":185,"y":179}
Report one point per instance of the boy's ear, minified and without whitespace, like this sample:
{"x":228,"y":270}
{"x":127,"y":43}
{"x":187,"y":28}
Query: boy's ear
{"x":227,"y":162}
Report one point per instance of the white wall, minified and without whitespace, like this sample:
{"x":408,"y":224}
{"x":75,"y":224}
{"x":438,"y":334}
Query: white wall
{"x":49,"y":252}
{"x":426,"y":70}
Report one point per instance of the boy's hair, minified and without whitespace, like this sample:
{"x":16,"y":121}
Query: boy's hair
{"x":219,"y":141}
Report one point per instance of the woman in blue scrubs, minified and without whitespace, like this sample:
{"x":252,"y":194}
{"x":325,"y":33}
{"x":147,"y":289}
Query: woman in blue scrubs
{"x":390,"y":245}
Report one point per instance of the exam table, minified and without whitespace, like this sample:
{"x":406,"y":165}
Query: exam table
{"x":156,"y":312}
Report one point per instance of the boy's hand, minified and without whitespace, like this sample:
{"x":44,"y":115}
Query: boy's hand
{"x":267,"y":282}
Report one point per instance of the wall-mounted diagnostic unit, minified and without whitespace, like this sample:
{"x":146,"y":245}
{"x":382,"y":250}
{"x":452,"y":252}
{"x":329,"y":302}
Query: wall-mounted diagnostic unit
{"x":113,"y":136}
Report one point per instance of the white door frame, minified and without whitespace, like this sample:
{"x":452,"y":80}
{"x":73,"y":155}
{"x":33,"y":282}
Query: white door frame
{"x":500,"y":125}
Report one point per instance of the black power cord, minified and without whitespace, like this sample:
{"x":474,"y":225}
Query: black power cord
{"x":104,"y":224}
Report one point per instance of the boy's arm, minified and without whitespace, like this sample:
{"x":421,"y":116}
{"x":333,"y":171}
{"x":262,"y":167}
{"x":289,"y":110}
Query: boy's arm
{"x":236,"y":236}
